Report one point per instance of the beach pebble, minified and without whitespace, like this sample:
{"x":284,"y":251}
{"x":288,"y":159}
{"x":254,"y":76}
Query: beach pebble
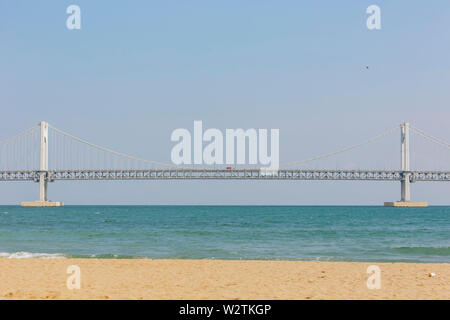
{"x":431,"y":274}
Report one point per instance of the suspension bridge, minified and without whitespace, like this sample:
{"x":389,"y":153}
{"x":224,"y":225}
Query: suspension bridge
{"x":27,"y":156}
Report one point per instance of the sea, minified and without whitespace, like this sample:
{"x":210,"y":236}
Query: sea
{"x":314,"y":233}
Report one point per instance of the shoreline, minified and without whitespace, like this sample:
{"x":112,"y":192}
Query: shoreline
{"x":21,"y":255}
{"x":38,"y":278}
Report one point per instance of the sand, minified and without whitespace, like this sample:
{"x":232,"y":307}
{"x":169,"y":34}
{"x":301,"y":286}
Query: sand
{"x":219,"y":279}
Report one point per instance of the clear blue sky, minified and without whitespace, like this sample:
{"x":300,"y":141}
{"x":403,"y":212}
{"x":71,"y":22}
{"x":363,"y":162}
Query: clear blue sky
{"x":137,"y":70}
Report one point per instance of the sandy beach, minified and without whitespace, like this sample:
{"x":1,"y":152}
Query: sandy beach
{"x":219,"y":279}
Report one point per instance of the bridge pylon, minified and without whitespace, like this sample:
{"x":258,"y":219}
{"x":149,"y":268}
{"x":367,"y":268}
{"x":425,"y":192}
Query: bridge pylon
{"x":405,"y":197}
{"x":43,"y":172}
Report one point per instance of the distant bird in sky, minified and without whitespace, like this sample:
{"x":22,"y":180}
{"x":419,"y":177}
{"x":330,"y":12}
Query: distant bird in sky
{"x":367,"y":67}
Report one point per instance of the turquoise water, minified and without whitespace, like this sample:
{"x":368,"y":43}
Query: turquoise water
{"x":228,"y":232}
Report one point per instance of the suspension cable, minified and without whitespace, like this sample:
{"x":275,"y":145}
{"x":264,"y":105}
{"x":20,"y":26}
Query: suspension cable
{"x":327,"y":155}
{"x":115,"y":152}
{"x":20,"y":135}
{"x":430,"y":137}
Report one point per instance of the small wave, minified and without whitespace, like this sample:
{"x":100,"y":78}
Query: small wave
{"x":439,"y":251}
{"x":104,"y":256}
{"x":24,"y":255}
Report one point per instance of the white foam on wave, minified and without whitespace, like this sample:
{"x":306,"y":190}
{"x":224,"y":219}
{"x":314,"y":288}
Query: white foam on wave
{"x":24,"y":255}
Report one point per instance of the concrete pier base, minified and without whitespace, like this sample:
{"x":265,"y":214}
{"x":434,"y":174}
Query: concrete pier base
{"x":406,"y":204}
{"x":42,"y":204}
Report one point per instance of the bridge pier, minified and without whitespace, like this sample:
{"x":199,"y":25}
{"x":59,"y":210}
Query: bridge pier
{"x":406,"y":188}
{"x":43,"y":200}
{"x":405,"y":198}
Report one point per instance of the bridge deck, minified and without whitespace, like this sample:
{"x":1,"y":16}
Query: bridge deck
{"x":234,"y":174}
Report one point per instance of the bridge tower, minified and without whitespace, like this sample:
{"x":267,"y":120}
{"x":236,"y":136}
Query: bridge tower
{"x":405,"y":183}
{"x":43,"y":166}
{"x":405,"y":198}
{"x":43,"y":173}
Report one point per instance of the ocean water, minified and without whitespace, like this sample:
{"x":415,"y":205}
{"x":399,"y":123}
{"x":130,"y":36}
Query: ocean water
{"x":325,"y":233}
